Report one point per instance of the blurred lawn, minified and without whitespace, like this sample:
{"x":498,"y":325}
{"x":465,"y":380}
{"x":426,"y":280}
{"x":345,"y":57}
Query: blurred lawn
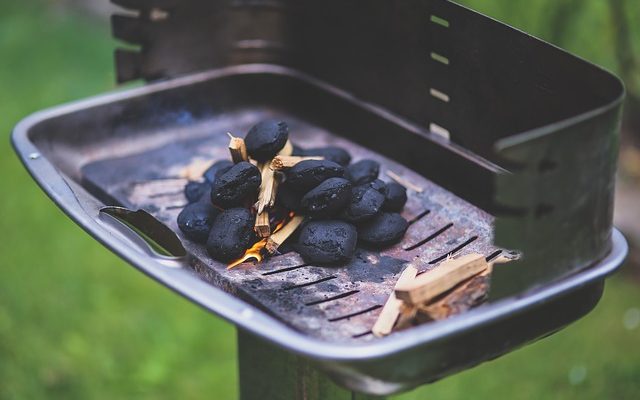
{"x":78,"y":323}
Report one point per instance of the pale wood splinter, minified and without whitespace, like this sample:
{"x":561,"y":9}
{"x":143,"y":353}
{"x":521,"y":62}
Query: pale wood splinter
{"x":277,"y":179}
{"x":237,"y":148}
{"x":262,"y":227}
{"x":404,"y":182}
{"x":283,"y":234}
{"x":464,"y":297}
{"x":270,"y":180}
{"x":441,"y":279}
{"x":287,"y":150}
{"x":283,"y":162}
{"x":267,"y":187}
{"x":392,"y":308}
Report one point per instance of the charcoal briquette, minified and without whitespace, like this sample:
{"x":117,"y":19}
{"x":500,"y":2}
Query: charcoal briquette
{"x":363,"y":171}
{"x":396,"y":197}
{"x":218,"y":168}
{"x":327,"y":199}
{"x":288,"y":198}
{"x":327,"y":242}
{"x":379,"y":185}
{"x":297,"y":150}
{"x":366,"y":201}
{"x":196,"y":219}
{"x":239,"y":183}
{"x":330,"y":153}
{"x":194,"y":191}
{"x":266,"y":139}
{"x":308,"y":174}
{"x":231,"y":234}
{"x":383,"y":230}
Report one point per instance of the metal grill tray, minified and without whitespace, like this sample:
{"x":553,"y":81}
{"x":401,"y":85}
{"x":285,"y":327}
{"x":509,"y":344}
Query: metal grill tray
{"x":330,"y":303}
{"x":134,"y":148}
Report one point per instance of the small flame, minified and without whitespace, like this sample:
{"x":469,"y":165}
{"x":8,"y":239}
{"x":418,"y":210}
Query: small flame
{"x":255,"y":251}
{"x":279,"y":226}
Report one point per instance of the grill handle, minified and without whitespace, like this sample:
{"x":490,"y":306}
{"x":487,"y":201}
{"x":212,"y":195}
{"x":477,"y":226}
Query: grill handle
{"x":146,"y":233}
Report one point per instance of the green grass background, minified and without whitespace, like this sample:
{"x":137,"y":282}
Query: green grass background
{"x":78,"y":323}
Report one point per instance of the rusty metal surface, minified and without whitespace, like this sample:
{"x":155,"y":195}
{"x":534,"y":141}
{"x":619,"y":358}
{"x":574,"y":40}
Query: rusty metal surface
{"x":153,"y":181}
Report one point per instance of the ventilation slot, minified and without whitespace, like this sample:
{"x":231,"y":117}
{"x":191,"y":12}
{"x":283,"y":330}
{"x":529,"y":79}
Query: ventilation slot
{"x":439,"y":95}
{"x":439,"y":58}
{"x":454,"y":251}
{"x":301,"y":285}
{"x":438,"y":130}
{"x":332,"y":298}
{"x":355,"y":314}
{"x":287,"y":269}
{"x":429,"y":238}
{"x":439,"y":21}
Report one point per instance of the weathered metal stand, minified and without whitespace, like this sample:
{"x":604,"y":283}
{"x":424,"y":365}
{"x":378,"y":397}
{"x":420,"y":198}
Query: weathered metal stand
{"x":271,"y":373}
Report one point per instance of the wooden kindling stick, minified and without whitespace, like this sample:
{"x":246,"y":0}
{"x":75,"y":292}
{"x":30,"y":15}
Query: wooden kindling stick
{"x":237,"y":148}
{"x":463,"y":297}
{"x":287,"y":150}
{"x":279,"y":237}
{"x":270,"y":180}
{"x":444,"y":277}
{"x":262,"y":227}
{"x":267,"y":187}
{"x":392,"y":308}
{"x":283,"y":162}
{"x":404,"y":182}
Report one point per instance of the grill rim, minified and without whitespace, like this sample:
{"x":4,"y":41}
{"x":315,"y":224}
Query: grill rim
{"x":83,"y":208}
{"x":69,"y":196}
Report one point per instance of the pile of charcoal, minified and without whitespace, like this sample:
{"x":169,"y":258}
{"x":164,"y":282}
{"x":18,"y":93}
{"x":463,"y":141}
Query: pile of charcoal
{"x":273,"y":191}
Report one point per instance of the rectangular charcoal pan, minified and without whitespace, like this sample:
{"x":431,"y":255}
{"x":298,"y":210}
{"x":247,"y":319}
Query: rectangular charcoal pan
{"x":299,"y":294}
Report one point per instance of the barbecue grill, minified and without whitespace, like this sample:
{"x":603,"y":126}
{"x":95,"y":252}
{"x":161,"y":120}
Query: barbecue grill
{"x":513,"y":141}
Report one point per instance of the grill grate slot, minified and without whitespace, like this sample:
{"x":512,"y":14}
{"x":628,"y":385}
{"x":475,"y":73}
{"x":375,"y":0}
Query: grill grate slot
{"x":355,"y":314}
{"x":287,"y":269}
{"x":336,"y":297}
{"x":430,"y":237}
{"x":301,"y":285}
{"x":454,"y":251}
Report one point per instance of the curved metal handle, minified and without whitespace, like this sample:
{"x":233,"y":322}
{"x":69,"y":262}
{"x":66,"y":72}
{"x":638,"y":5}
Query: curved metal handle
{"x":149,"y":235}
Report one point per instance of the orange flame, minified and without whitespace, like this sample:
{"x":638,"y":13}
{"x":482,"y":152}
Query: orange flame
{"x":279,"y":226}
{"x":255,"y":251}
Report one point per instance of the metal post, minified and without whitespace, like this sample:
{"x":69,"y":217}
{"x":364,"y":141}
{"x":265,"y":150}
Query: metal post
{"x":270,"y":373}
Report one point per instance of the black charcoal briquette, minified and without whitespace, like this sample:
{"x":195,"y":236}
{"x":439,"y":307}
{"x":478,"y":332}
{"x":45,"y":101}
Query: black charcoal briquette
{"x":366,"y":201}
{"x":239,"y":183}
{"x":383,"y":230}
{"x":327,"y":199}
{"x":327,"y":242}
{"x":194,"y":191}
{"x":288,"y":198}
{"x":196,"y":219}
{"x":297,"y":150}
{"x":231,"y":234}
{"x":396,"y":197}
{"x":266,"y":139}
{"x":331,"y":153}
{"x":308,"y":174}
{"x":218,"y":168}
{"x":363,"y":171}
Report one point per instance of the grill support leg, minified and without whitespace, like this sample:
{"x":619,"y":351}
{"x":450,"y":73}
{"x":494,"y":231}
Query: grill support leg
{"x":270,"y":373}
